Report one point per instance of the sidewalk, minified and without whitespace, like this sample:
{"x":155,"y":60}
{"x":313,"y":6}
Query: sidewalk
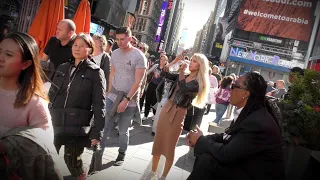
{"x":138,"y":156}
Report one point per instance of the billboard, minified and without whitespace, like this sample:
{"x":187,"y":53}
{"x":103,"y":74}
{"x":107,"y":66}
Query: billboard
{"x":161,"y":21}
{"x":290,"y":19}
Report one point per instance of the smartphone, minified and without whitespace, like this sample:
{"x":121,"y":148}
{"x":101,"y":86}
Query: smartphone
{"x":185,"y":51}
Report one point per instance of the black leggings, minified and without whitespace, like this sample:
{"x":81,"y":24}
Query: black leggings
{"x":151,"y":99}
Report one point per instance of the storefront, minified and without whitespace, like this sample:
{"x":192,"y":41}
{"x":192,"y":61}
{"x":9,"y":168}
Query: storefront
{"x":271,"y":67}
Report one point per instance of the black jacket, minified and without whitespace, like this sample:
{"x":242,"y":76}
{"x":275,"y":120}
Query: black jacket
{"x":86,"y":93}
{"x":185,"y":94}
{"x":254,"y":147}
{"x":105,"y":66}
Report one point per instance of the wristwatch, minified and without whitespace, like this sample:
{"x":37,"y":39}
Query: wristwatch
{"x":126,"y":97}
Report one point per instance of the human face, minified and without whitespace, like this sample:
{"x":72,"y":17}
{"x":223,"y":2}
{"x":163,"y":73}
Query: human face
{"x":214,"y":70}
{"x":97,"y":44}
{"x":163,"y":61}
{"x":239,"y":94}
{"x":194,"y":65}
{"x":63,"y":31}
{"x":141,"y":48}
{"x":123,"y":40}
{"x":109,"y":48}
{"x":280,"y":84}
{"x":133,"y":43}
{"x":80,"y":49}
{"x":11,"y":63}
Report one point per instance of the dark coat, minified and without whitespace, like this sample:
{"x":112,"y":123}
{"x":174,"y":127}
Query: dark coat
{"x":253,"y":151}
{"x":31,"y":154}
{"x":185,"y":94}
{"x":86,"y":92}
{"x":105,"y":66}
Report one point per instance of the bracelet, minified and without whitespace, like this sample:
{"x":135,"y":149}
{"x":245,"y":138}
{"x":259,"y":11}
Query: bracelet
{"x":126,"y":97}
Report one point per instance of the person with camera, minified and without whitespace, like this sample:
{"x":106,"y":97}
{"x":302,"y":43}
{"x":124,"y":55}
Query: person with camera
{"x":187,"y":90}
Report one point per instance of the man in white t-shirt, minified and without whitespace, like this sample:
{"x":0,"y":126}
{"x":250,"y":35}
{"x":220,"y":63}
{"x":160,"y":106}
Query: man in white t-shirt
{"x":128,"y":66}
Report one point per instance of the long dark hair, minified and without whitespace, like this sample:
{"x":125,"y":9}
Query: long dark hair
{"x":226,"y":81}
{"x":257,"y":86}
{"x":30,"y":79}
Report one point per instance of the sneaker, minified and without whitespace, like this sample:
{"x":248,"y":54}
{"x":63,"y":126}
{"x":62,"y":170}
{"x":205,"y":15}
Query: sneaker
{"x":144,"y":118}
{"x":151,"y":176}
{"x":120,"y":159}
{"x":82,"y":177}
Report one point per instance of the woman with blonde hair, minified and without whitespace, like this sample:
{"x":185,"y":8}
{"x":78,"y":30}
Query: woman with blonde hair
{"x":187,"y":90}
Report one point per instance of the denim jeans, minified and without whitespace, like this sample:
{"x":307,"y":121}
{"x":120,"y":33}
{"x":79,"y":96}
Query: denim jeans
{"x":220,"y":110}
{"x":124,"y":122}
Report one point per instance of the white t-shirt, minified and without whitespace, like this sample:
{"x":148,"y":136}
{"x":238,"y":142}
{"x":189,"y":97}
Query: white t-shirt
{"x":97,"y":59}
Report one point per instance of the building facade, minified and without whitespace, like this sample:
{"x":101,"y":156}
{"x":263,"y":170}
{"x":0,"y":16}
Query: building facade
{"x":252,"y":47}
{"x":172,"y":36}
{"x":146,"y":24}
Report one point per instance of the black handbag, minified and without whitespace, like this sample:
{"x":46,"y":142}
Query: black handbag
{"x":71,"y":121}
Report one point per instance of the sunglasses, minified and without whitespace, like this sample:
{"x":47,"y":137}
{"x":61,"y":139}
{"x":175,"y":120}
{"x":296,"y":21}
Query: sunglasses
{"x":233,"y":86}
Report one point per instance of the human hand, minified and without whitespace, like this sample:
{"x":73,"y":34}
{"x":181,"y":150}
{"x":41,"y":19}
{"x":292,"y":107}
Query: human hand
{"x":94,"y":142}
{"x":193,"y":136}
{"x":183,"y":67}
{"x":122,"y":106}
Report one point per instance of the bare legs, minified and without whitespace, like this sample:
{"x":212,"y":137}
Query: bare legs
{"x":167,"y":167}
{"x":155,"y":162}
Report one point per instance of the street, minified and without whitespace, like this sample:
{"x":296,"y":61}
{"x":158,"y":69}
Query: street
{"x":138,"y":156}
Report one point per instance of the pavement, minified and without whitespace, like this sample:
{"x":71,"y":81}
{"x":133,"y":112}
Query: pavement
{"x":138,"y":156}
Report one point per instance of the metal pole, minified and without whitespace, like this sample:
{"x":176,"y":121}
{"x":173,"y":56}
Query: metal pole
{"x":313,"y":35}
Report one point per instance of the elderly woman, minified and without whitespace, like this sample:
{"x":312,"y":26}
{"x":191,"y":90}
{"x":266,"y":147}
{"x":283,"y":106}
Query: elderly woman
{"x":251,"y":148}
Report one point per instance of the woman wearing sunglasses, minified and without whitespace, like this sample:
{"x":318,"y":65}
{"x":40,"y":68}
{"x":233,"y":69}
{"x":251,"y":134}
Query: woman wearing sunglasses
{"x":223,"y":98}
{"x":251,"y":148}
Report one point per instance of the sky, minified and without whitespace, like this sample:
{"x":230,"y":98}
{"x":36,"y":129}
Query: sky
{"x":195,"y":15}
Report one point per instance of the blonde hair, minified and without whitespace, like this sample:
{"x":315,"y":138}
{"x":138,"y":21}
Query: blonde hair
{"x":102,"y":39}
{"x":203,"y":80}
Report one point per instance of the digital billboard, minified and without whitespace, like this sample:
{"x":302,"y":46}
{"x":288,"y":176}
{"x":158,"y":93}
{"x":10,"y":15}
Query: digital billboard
{"x":292,"y":19}
{"x":161,"y":21}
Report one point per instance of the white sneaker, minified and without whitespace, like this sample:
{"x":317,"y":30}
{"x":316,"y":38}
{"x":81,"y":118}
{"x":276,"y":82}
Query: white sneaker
{"x":151,"y":176}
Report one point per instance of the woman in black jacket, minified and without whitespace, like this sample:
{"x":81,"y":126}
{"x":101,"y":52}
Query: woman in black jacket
{"x":77,"y":93}
{"x":187,"y":90}
{"x":251,"y":148}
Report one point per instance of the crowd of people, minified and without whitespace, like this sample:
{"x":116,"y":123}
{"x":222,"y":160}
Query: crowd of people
{"x":98,"y":84}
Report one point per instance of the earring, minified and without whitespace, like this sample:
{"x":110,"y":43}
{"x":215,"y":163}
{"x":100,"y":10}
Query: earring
{"x":243,"y":97}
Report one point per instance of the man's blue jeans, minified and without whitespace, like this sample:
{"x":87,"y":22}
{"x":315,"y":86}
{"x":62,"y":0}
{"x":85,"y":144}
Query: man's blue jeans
{"x":124,"y":122}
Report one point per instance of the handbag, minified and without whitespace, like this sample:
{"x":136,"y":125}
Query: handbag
{"x":71,"y":121}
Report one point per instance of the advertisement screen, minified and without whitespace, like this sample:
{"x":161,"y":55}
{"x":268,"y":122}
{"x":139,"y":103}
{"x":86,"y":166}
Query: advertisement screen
{"x":96,"y":29}
{"x":161,"y":21}
{"x":292,"y":19}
